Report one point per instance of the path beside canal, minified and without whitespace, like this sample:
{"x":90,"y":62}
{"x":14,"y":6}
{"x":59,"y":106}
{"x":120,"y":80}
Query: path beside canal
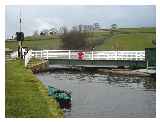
{"x":25,"y":95}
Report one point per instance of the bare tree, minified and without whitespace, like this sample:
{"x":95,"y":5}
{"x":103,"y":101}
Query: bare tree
{"x":63,"y":30}
{"x":75,"y":40}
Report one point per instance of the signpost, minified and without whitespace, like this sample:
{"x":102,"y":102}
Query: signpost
{"x":20,"y":38}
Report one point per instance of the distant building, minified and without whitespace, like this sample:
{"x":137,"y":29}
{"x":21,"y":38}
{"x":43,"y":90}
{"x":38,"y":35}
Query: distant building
{"x":52,"y":31}
{"x":87,"y":28}
{"x":44,"y":32}
{"x":49,"y":32}
{"x":96,"y":26}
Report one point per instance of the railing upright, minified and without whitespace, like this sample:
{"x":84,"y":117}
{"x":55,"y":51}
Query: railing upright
{"x":47,"y":54}
{"x":28,"y":56}
{"x":69,"y":54}
{"x":137,"y":56}
{"x":36,"y":55}
{"x":41,"y":53}
{"x":92,"y":55}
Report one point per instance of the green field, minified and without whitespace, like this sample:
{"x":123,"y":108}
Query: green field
{"x":35,"y":44}
{"x":25,"y":95}
{"x":132,"y":41}
{"x":123,"y":39}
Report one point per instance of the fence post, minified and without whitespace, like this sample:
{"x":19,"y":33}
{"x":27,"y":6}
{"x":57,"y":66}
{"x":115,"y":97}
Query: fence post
{"x":36,"y":54}
{"x":69,"y":54}
{"x":27,"y":57}
{"x":25,"y":61}
{"x":92,"y":55}
{"x":116,"y":55}
{"x":30,"y":54}
{"x":41,"y":54}
{"x":47,"y":54}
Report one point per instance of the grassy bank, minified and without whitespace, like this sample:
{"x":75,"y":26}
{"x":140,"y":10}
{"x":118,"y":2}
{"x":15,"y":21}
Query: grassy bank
{"x":25,"y":95}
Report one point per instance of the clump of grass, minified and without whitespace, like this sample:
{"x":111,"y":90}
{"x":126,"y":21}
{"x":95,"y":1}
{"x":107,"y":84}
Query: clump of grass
{"x":25,"y":95}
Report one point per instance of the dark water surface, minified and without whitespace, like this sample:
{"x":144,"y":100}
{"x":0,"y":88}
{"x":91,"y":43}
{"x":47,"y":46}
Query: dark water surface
{"x":97,"y":95}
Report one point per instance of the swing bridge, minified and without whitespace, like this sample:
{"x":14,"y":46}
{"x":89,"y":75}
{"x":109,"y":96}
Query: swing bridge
{"x":89,"y":58}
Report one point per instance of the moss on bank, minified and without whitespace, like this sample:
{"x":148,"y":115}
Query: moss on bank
{"x":25,"y":95}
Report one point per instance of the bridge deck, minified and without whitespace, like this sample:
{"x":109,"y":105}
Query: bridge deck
{"x":97,"y":63}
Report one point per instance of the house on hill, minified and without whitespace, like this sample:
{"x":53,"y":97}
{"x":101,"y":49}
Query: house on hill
{"x":49,"y":32}
{"x":87,"y":28}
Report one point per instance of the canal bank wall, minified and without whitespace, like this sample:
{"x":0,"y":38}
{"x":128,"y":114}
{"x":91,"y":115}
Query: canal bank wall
{"x":40,"y":66}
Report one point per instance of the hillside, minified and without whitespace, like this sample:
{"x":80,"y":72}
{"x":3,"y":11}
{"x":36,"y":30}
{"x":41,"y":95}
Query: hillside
{"x":122,"y":39}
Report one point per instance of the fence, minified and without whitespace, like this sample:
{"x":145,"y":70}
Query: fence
{"x":87,"y":55}
{"x":90,"y":55}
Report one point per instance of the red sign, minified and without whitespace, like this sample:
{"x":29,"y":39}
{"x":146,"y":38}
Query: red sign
{"x":80,"y":55}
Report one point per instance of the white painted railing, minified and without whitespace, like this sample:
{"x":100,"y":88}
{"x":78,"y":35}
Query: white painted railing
{"x":89,"y":55}
{"x":27,"y":58}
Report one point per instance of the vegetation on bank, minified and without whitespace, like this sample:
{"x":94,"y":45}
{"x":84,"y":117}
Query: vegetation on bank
{"x":120,"y":39}
{"x":25,"y":95}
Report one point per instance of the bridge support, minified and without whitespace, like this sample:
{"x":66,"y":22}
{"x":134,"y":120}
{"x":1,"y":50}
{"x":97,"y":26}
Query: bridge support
{"x":100,"y":63}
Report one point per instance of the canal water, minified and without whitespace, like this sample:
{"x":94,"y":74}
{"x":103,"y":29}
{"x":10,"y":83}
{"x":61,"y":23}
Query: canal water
{"x":99,"y":95}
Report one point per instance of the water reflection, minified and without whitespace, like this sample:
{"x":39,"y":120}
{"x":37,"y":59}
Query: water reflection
{"x":65,"y":105}
{"x":150,"y":83}
{"x":99,"y":95}
{"x":108,"y":80}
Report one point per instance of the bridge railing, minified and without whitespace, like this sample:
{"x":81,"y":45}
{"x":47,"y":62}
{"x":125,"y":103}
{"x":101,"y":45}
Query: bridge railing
{"x":28,"y":56}
{"x":89,"y":55}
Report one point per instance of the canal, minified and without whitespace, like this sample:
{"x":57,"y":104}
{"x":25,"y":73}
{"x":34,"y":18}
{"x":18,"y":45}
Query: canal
{"x":99,"y":95}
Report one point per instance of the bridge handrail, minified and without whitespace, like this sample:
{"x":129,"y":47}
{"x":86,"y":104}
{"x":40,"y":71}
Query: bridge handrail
{"x":89,"y":55}
{"x":28,"y":56}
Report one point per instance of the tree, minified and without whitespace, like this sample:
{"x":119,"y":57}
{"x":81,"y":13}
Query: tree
{"x":114,"y":26}
{"x":75,"y":40}
{"x":63,"y":30}
{"x":113,"y":29}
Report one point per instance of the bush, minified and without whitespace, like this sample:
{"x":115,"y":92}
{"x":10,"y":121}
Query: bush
{"x":75,"y":40}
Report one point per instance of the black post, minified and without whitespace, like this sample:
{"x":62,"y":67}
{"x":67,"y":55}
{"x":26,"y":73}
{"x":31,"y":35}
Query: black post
{"x":20,"y":38}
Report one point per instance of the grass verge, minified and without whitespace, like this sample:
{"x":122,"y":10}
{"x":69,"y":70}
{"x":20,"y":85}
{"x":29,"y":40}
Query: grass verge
{"x":25,"y":95}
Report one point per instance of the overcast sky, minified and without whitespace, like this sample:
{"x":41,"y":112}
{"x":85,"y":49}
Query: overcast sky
{"x":46,"y":17}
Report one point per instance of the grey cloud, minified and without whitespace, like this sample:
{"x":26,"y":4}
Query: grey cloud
{"x":41,"y":17}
